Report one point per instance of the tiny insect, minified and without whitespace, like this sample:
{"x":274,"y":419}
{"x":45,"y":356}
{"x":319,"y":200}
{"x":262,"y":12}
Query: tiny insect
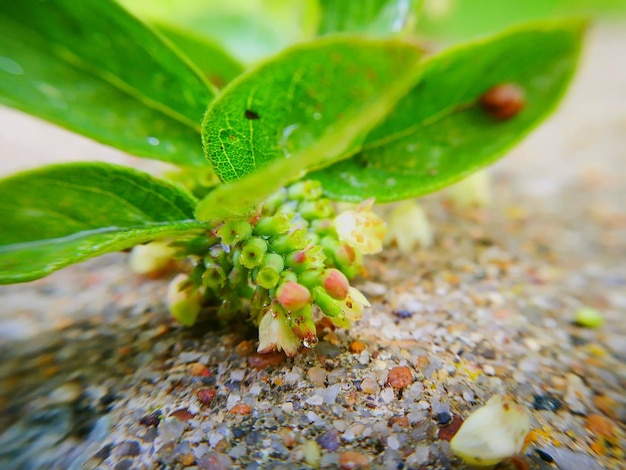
{"x":503,"y":101}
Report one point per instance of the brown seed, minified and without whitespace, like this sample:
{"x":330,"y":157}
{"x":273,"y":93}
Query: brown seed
{"x":503,"y":101}
{"x":351,"y":459}
{"x":446,"y":433}
{"x":399,"y":377}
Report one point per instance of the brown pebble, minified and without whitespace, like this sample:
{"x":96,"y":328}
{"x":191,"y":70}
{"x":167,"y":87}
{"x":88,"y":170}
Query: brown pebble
{"x":182,"y":414}
{"x":351,"y":459}
{"x":400,"y":377}
{"x":446,"y":433}
{"x":401,"y":421}
{"x":187,"y":459}
{"x":606,"y":405}
{"x":369,"y":385}
{"x":503,"y":101}
{"x":357,"y":347}
{"x":261,"y":361}
{"x":199,"y":370}
{"x":240,"y":409}
{"x":206,"y":395}
{"x":244,"y":348}
{"x":317,"y":375}
{"x":287,"y":436}
{"x":601,"y":426}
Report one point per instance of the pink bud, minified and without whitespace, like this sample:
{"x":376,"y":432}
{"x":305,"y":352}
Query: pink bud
{"x":336,"y":284}
{"x":293,"y":296}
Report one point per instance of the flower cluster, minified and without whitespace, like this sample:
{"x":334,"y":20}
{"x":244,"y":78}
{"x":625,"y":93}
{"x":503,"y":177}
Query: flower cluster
{"x":288,"y":264}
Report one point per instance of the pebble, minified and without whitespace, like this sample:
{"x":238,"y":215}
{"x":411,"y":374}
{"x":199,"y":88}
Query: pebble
{"x":317,"y":375}
{"x":128,"y":448}
{"x":66,"y":393}
{"x":329,"y":440}
{"x":399,"y":377}
{"x":206,"y":395}
{"x":546,"y":402}
{"x":369,"y":385}
{"x":261,"y":361}
{"x":388,"y":395}
{"x":351,"y":459}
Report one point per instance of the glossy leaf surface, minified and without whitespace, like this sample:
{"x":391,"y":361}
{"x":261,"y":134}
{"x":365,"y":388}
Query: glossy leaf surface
{"x":377,"y":17}
{"x":439,"y":133}
{"x":62,"y":214}
{"x":296,"y":113}
{"x":93,"y":68}
{"x":290,"y":102}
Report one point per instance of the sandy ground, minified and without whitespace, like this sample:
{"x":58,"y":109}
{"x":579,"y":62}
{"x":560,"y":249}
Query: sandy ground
{"x":93,"y":375}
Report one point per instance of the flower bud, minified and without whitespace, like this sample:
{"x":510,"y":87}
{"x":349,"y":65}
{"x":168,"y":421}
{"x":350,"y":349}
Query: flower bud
{"x":320,"y":209}
{"x":303,"y":326}
{"x":269,"y":271}
{"x":182,"y":300}
{"x":252,"y":252}
{"x":335,"y":283}
{"x":292,"y":241}
{"x":272,"y":226}
{"x":152,"y":258}
{"x":329,"y":306}
{"x":409,"y":225}
{"x":293,"y":296}
{"x":361,"y":228}
{"x":305,"y":190}
{"x":311,"y":257}
{"x":214,"y":276}
{"x":234,"y":231}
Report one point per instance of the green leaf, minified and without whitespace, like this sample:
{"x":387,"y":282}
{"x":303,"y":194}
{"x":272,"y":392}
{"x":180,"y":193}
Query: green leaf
{"x":249,"y":30}
{"x":439,"y":133}
{"x":62,"y":214}
{"x":210,"y":58}
{"x":297,"y":112}
{"x":378,"y":17}
{"x":93,"y":68}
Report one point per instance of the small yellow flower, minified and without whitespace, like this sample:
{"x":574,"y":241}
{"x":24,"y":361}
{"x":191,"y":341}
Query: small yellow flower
{"x":492,"y":433}
{"x":361,"y":228}
{"x":275,"y":333}
{"x":351,"y":308}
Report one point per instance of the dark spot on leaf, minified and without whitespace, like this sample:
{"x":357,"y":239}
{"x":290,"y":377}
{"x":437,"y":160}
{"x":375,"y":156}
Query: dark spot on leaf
{"x":251,"y":115}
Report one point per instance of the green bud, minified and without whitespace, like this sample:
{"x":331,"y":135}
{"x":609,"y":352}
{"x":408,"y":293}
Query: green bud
{"x":323,"y":227}
{"x":288,"y":275}
{"x":320,"y":209}
{"x":311,"y":257}
{"x":303,"y":326}
{"x":272,"y":226}
{"x":329,"y":306}
{"x":183,"y":301}
{"x":252,"y":252}
{"x":214,"y":276}
{"x":273,"y":203}
{"x":234,"y":231}
{"x":292,"y":241}
{"x":311,"y":278}
{"x":342,"y":256}
{"x":269,"y":272}
{"x":305,"y":190}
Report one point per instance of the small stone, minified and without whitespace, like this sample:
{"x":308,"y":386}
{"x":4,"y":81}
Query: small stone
{"x":153,"y":419}
{"x":182,"y":414}
{"x":199,"y":370}
{"x":357,"y":347}
{"x":125,"y":464}
{"x":393,"y":442}
{"x":241,"y":409}
{"x":128,"y":449}
{"x":206,"y":395}
{"x":601,"y":426}
{"x":317,"y":375}
{"x":387,"y":395}
{"x":261,"y":361}
{"x":400,"y":377}
{"x":214,"y":461}
{"x":443,"y":418}
{"x":66,"y":393}
{"x":608,"y":406}
{"x":446,"y":433}
{"x":312,"y":454}
{"x":351,"y":459}
{"x":369,"y":385}
{"x":546,"y":402}
{"x":329,"y":440}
